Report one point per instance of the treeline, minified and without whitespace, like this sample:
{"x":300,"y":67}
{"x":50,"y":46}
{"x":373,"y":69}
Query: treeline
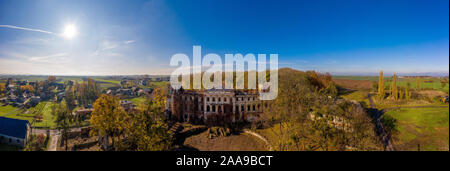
{"x":85,"y":93}
{"x":308,"y":116}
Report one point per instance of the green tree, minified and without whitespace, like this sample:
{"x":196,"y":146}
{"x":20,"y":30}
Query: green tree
{"x":63,"y":120}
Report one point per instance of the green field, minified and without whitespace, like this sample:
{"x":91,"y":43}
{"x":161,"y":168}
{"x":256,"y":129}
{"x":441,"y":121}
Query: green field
{"x":138,"y":100}
{"x":48,"y":118}
{"x":159,"y":84}
{"x":8,"y":110}
{"x":360,"y":96}
{"x":428,"y":127}
{"x":108,"y":81}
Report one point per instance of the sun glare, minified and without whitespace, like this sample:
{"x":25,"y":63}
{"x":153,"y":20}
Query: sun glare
{"x":70,"y":32}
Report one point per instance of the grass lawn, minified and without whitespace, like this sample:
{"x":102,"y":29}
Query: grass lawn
{"x":159,"y":84}
{"x":425,"y":126}
{"x":48,"y":118}
{"x":8,"y":110}
{"x":360,"y":96}
{"x":108,"y":81}
{"x":138,"y":100}
{"x":104,"y":83}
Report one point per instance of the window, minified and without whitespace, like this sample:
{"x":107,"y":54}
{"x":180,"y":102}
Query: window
{"x":237,"y":109}
{"x":254,"y":108}
{"x":214,"y":108}
{"x":207,"y":99}
{"x":242,"y":108}
{"x":219,"y":99}
{"x":18,"y":141}
{"x":225,"y":99}
{"x":207,"y":108}
{"x":214,"y":99}
{"x":248,"y":108}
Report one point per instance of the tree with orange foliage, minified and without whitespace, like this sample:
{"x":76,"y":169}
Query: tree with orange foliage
{"x":28,"y":88}
{"x":51,"y":79}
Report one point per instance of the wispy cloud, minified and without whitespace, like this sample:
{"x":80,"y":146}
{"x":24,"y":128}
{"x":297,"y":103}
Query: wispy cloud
{"x":48,"y":57}
{"x":27,"y":29}
{"x":129,"y":41}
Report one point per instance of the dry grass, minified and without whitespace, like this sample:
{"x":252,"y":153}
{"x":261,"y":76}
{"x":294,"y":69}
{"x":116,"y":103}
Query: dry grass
{"x":241,"y":142}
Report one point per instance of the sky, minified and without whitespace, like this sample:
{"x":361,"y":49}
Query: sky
{"x":122,"y":37}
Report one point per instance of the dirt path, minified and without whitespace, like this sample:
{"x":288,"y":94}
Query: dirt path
{"x":260,"y":137}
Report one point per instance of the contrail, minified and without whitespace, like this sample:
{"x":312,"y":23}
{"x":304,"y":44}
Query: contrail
{"x":27,"y":29}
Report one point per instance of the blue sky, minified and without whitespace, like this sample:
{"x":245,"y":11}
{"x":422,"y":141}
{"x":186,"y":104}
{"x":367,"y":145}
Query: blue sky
{"x":139,"y":37}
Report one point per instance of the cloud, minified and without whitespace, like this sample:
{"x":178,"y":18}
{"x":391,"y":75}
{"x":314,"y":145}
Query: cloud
{"x":27,"y":29}
{"x":47,"y":58}
{"x":129,"y":41}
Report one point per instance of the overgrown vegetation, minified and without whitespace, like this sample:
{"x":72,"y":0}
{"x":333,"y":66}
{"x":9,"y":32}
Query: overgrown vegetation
{"x":307,"y":116}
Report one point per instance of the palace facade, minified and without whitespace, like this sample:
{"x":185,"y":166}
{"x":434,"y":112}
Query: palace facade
{"x":213,"y":106}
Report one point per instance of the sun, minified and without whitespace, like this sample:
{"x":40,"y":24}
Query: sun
{"x":70,"y":31}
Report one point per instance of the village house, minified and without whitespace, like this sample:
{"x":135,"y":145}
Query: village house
{"x":83,"y":114}
{"x":14,"y":131}
{"x":127,"y":105}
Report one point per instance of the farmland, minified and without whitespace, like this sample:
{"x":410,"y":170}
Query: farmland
{"x":357,"y":82}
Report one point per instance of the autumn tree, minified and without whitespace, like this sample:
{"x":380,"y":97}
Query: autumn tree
{"x":381,"y":85}
{"x":2,"y":88}
{"x":87,"y":92}
{"x":146,"y":129}
{"x":407,"y":94}
{"x":418,"y":83}
{"x":51,"y":79}
{"x":28,"y":88}
{"x":108,"y":118}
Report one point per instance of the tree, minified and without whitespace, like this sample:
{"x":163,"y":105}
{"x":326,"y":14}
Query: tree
{"x":443,"y":84}
{"x":63,"y":120}
{"x":108,"y":118}
{"x":146,"y":129}
{"x":400,"y":94}
{"x":418,"y":83}
{"x":28,"y":88}
{"x":381,"y":86}
{"x":70,"y":98}
{"x":51,"y":79}
{"x":394,"y":87}
{"x":2,"y":88}
{"x":407,"y":94}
